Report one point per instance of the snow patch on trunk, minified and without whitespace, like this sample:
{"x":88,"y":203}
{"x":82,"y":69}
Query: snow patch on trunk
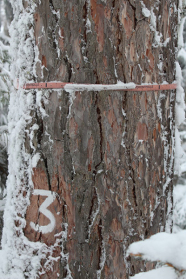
{"x":21,"y":258}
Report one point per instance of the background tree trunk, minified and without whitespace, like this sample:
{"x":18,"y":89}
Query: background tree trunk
{"x":108,"y":157}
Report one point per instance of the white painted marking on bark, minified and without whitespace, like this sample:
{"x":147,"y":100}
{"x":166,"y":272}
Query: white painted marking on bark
{"x":43,"y":209}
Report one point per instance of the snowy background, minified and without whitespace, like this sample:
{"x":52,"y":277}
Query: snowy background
{"x":5,"y":87}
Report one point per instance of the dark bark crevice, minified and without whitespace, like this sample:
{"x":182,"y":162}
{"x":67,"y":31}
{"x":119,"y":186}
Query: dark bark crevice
{"x":135,"y":21}
{"x":38,"y":217}
{"x":100,"y":244}
{"x":39,"y":122}
{"x":47,"y":173}
{"x":100,"y":134}
{"x":69,"y":67}
{"x":113,"y":4}
{"x":134,"y":194}
{"x":85,"y":15}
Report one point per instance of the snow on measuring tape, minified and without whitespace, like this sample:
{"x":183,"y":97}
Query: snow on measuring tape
{"x":50,"y":196}
{"x":97,"y":87}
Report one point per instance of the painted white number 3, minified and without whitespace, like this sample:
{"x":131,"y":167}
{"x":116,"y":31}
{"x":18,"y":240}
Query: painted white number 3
{"x":43,"y":209}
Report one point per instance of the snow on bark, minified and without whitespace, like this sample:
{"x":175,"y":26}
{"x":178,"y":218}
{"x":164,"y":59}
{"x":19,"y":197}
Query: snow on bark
{"x":20,"y":257}
{"x":179,"y":118}
{"x":169,"y":249}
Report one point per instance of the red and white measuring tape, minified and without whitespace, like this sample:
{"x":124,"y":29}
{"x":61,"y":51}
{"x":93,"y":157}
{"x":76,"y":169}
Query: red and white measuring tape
{"x":98,"y":87}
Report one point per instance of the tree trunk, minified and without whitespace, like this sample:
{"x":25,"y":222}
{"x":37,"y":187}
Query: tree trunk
{"x":106,"y":158}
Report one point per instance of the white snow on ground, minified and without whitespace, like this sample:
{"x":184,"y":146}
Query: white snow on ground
{"x":164,"y":272}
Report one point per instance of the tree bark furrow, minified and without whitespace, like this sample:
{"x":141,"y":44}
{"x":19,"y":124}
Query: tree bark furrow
{"x":106,"y":159}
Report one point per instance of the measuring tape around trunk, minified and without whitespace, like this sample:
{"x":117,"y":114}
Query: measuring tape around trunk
{"x":98,"y":87}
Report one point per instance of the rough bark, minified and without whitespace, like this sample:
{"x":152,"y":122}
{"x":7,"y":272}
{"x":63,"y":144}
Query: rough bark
{"x":108,"y":156}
